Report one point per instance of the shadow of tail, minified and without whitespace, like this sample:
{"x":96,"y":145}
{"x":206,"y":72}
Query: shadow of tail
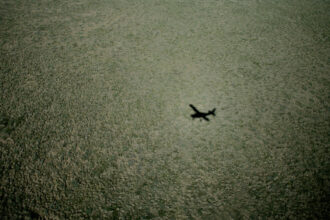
{"x":212,"y":112}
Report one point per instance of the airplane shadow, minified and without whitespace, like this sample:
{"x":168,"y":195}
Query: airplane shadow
{"x":201,"y":115}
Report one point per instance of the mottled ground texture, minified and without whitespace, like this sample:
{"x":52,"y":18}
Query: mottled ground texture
{"x":95,"y":119}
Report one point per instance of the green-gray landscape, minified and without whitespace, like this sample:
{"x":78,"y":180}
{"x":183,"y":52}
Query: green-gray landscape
{"x":95,"y":118}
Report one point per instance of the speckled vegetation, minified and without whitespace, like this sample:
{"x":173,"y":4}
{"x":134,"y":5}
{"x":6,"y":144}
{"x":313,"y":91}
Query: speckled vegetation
{"x":94,"y":115}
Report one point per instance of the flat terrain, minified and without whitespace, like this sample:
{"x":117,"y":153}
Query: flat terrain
{"x":95,"y":119}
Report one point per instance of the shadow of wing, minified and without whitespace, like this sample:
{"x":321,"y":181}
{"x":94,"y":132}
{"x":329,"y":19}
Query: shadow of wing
{"x":194,"y":108}
{"x":205,"y":118}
